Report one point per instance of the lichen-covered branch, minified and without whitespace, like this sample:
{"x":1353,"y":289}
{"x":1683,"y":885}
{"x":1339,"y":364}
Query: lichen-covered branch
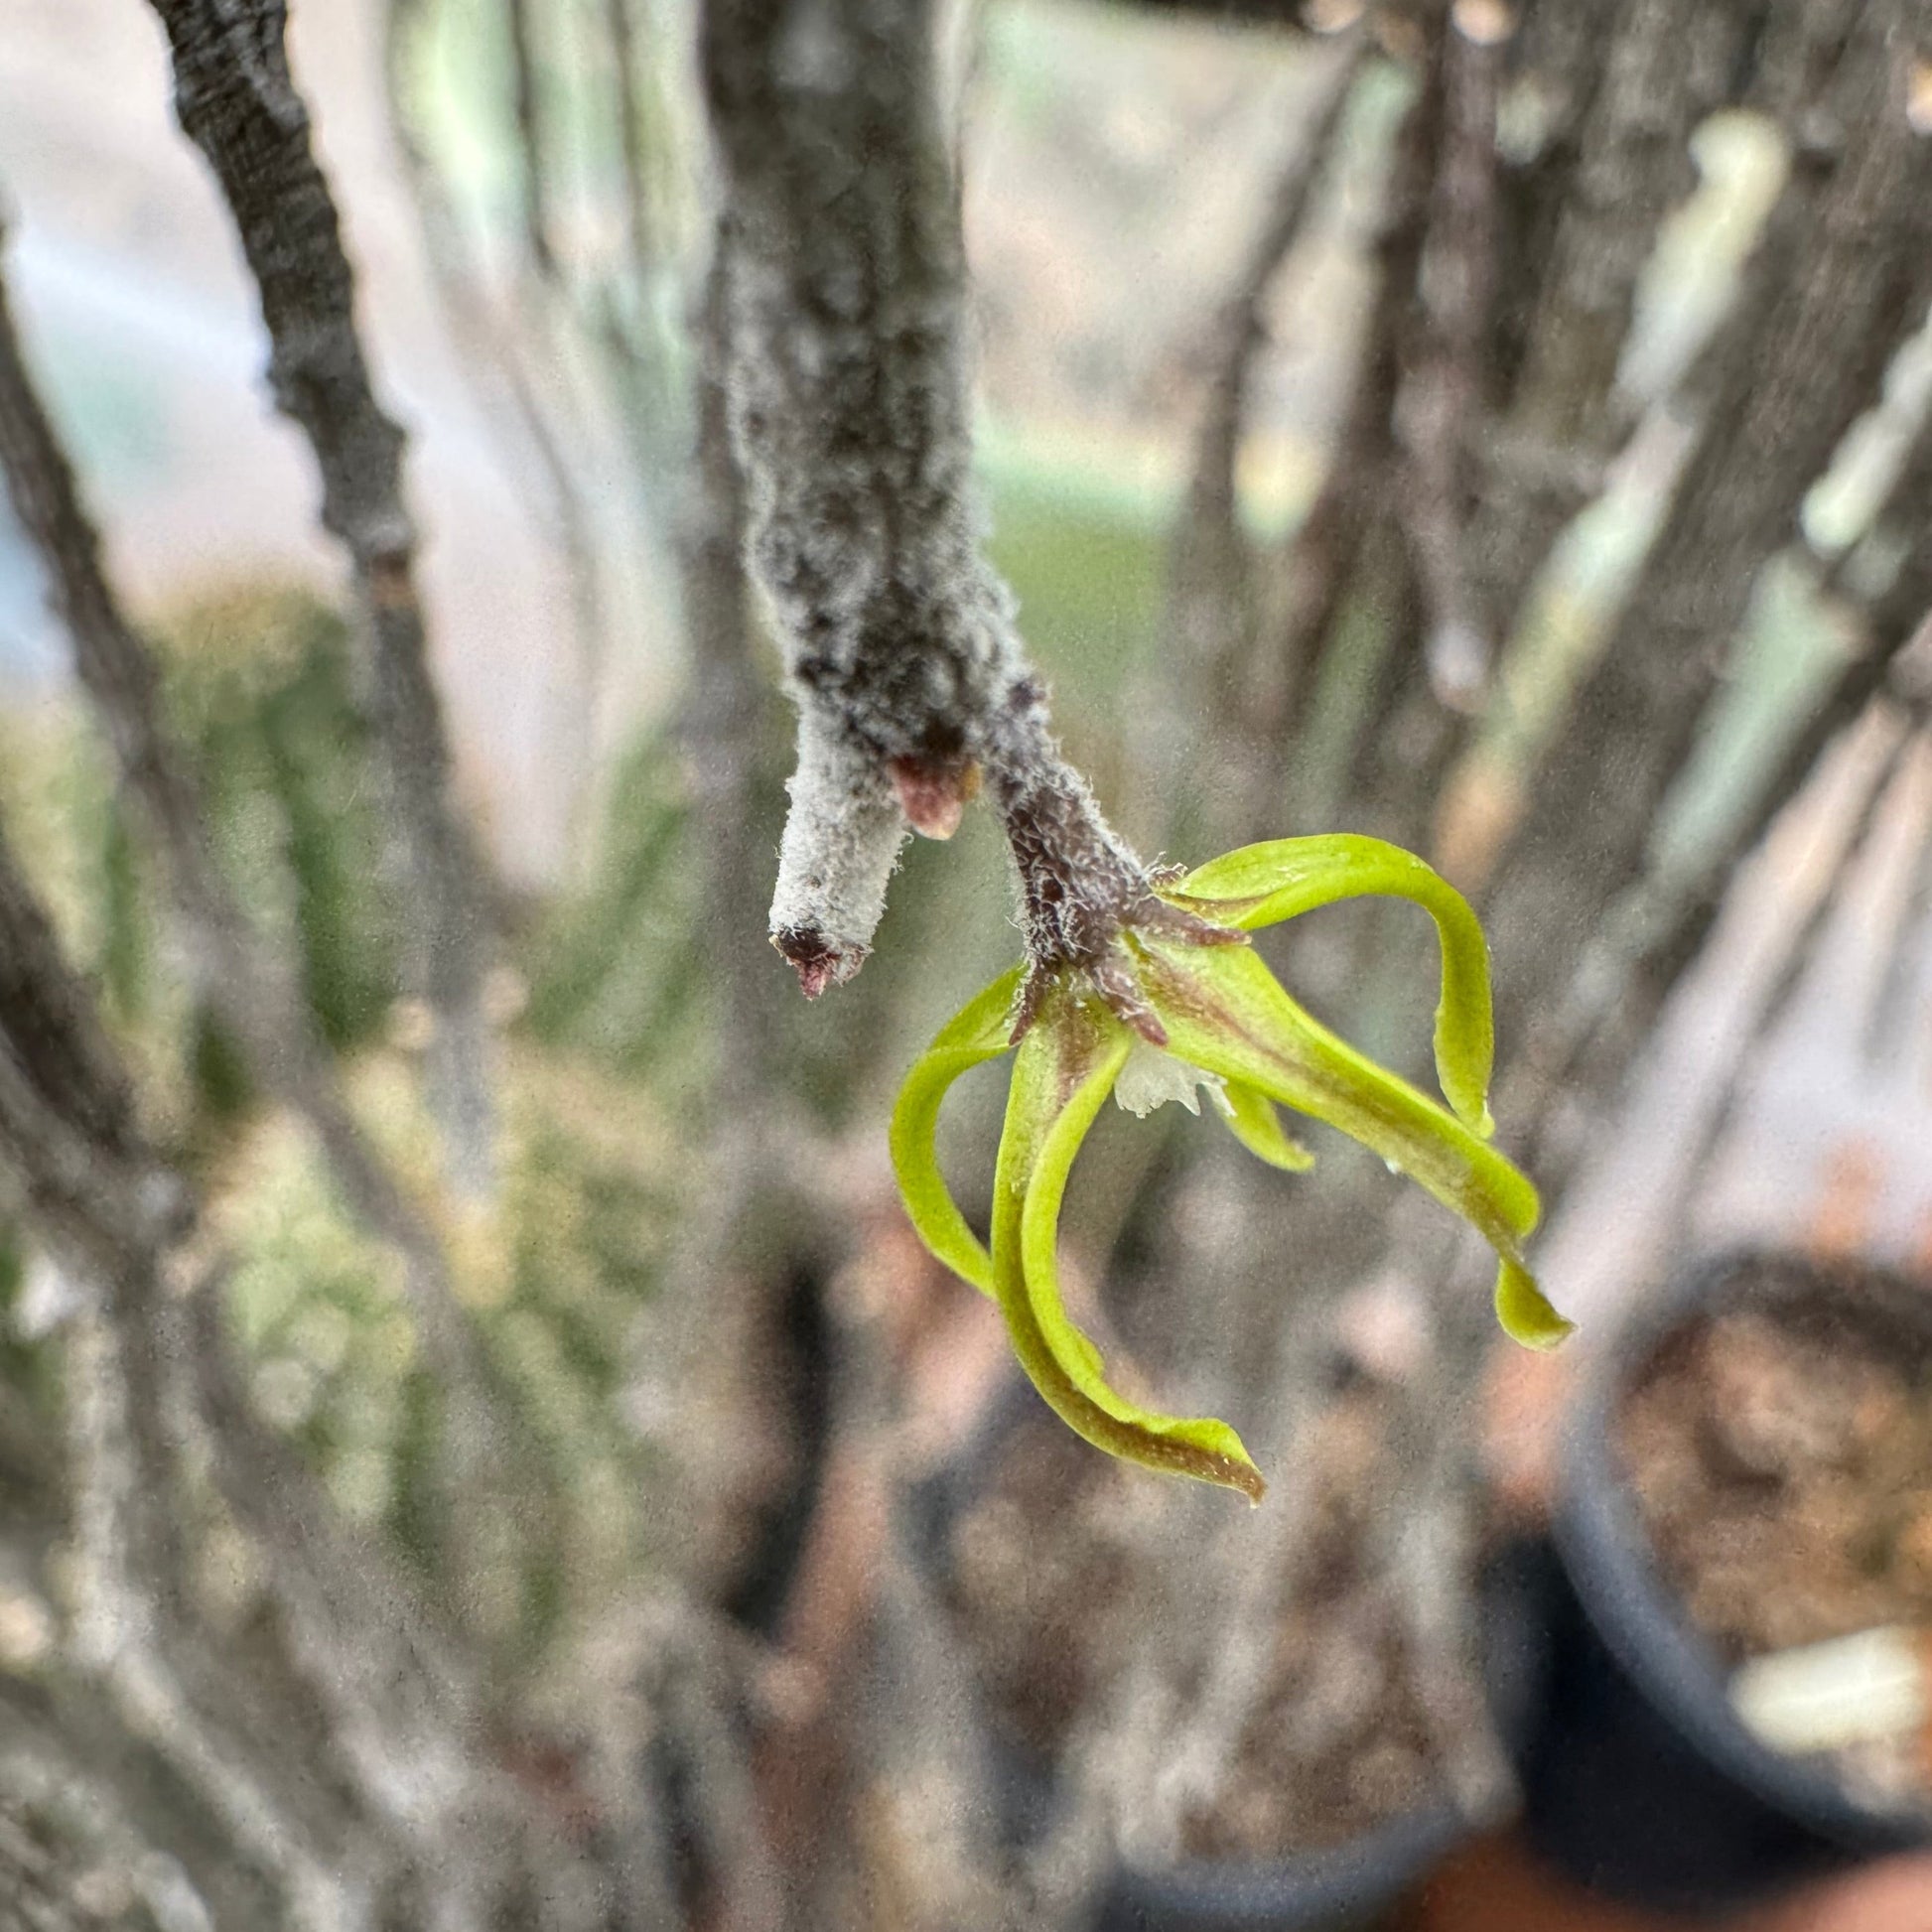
{"x":850,"y":412}
{"x":238,"y":101}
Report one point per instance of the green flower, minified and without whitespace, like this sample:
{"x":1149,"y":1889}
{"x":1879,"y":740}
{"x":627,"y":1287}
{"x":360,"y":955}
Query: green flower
{"x":1179,"y":1002}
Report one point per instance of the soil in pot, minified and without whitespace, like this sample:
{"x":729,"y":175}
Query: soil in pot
{"x":1779,"y":1449}
{"x":1338,"y":1744}
{"x":1035,"y":1567}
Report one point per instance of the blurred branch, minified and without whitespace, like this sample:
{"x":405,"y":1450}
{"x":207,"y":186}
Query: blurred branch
{"x":66,"y":1758}
{"x":247,"y":982}
{"x":1661,"y":75}
{"x":496,"y":348}
{"x":1212,"y":602}
{"x":131,"y":1592}
{"x":724,"y":711}
{"x":694,"y":1685}
{"x":620,"y":31}
{"x":404,"y":1715}
{"x":1441,"y":390}
{"x":1319,"y":561}
{"x":1285,"y":13}
{"x":1610,"y":1006}
{"x":1840,"y":280}
{"x":531,"y":142}
{"x":113,"y":1214}
{"x":238,"y":101}
{"x":404,"y":1708}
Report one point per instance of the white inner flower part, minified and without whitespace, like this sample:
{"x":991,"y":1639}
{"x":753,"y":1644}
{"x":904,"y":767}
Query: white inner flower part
{"x":1151,"y":1078}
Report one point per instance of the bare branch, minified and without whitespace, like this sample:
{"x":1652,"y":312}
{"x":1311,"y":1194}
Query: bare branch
{"x":238,"y":101}
{"x":127,"y":1592}
{"x":493,"y":349}
{"x":1608,"y":1008}
{"x":1842,"y":278}
{"x":1214,"y":615}
{"x":405,"y":1714}
{"x":248,"y":982}
{"x":620,"y":32}
{"x":531,"y":142}
{"x":1212,"y":564}
{"x":1440,"y":388}
{"x":113,"y":1214}
{"x":1319,"y":559}
{"x":1661,"y":75}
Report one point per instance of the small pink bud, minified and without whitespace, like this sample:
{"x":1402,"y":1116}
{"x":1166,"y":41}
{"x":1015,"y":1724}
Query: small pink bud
{"x":933,"y":793}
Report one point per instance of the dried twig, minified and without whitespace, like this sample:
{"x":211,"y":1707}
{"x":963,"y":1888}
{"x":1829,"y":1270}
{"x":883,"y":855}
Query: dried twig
{"x":238,"y":101}
{"x":1440,"y":388}
{"x":249,"y":984}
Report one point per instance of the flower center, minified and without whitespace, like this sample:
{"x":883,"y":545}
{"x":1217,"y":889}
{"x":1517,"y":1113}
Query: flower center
{"x":1150,"y":1078}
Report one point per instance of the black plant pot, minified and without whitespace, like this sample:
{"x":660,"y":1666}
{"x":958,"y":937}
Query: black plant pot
{"x":1639,"y":1780}
{"x":1350,"y":1888}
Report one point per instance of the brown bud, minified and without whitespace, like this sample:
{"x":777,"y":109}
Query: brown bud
{"x":818,"y":961}
{"x":933,"y":793}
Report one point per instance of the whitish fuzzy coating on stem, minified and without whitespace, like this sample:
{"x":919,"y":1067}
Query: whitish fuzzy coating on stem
{"x":847,"y":383}
{"x":849,"y":410}
{"x":841,"y":842}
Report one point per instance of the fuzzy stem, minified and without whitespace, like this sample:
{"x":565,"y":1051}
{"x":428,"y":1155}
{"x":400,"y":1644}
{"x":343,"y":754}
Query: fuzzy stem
{"x":847,"y":383}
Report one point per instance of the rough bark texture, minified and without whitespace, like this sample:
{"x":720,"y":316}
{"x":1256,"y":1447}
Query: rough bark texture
{"x":1839,"y":281}
{"x":237,"y":102}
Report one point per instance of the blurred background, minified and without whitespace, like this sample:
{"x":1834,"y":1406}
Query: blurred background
{"x":1498,"y":429}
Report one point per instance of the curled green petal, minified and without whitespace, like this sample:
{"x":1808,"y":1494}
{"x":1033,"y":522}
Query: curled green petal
{"x":1061,"y":1075}
{"x":979,"y":1032}
{"x":1253,"y":1120}
{"x":1262,"y":885}
{"x":1224,"y":1011}
{"x":1525,"y":1310}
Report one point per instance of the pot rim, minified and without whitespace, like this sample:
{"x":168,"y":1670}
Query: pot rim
{"x":1602,"y":1540}
{"x":1313,"y":1884}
